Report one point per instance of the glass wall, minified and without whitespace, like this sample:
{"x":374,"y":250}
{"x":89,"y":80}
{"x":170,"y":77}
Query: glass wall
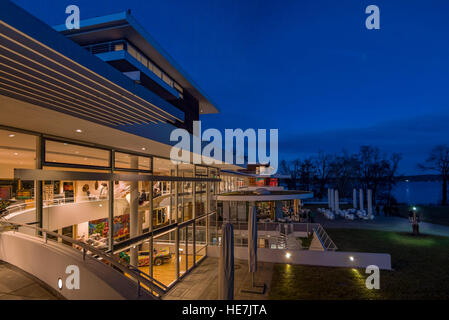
{"x":201,"y":192}
{"x":73,"y":154}
{"x":77,"y":209}
{"x":164,"y":258}
{"x":96,"y":211}
{"x":17,"y":197}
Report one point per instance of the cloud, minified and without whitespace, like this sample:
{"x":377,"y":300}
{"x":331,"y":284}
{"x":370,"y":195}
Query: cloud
{"x":412,"y":137}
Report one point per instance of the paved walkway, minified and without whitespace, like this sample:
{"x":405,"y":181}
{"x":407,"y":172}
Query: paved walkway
{"x":385,"y":224}
{"x":202,"y":282}
{"x":16,"y":284}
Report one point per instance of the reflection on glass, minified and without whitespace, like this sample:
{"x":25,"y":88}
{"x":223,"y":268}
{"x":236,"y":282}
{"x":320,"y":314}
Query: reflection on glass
{"x":60,"y":152}
{"x":128,"y":161}
{"x":164,"y":258}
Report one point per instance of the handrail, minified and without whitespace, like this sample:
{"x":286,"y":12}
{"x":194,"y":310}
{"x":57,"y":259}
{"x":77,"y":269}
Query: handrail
{"x":324,"y":238}
{"x":139,"y":276}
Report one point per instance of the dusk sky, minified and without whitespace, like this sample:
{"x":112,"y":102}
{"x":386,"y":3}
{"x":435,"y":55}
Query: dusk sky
{"x":309,"y":68}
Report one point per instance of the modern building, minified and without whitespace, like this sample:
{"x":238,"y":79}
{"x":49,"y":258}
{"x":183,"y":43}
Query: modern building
{"x":85,"y":120}
{"x":84,"y":153}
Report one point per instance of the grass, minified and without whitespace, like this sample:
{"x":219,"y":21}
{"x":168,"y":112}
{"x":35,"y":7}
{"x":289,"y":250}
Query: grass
{"x":420,"y":269}
{"x":305,"y":241}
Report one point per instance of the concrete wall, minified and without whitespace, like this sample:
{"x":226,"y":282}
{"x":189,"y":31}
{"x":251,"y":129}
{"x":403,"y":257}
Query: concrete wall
{"x":48,"y":262}
{"x":316,"y":258}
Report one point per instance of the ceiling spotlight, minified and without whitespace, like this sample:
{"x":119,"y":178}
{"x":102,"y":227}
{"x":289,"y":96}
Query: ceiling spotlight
{"x":144,"y":148}
{"x":16,"y":154}
{"x":79,"y":130}
{"x":12,"y":135}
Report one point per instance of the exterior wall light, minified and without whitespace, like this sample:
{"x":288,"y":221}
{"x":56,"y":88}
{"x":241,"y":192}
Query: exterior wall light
{"x":288,"y":255}
{"x":351,"y":258}
{"x":79,"y":130}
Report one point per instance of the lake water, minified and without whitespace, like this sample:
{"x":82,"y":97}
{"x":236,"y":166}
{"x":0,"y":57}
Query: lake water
{"x":418,"y":192}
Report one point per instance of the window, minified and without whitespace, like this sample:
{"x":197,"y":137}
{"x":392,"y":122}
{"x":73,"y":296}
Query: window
{"x":68,"y":153}
{"x":177,"y":87}
{"x":132,"y":51}
{"x":157,"y":71}
{"x":119,"y":47}
{"x":167,"y":80}
{"x":129,"y":161}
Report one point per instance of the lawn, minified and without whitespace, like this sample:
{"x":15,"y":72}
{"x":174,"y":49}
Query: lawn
{"x":420,"y":269}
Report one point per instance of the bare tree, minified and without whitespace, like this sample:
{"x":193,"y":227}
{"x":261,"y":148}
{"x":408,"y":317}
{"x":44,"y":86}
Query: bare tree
{"x":438,"y":161}
{"x":323,"y":166}
{"x":344,"y":168}
{"x":292,"y":169}
{"x":306,"y":174}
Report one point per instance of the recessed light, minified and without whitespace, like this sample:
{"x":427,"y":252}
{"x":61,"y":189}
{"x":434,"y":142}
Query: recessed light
{"x":12,"y":135}
{"x":144,"y":148}
{"x":79,"y":130}
{"x":16,"y":154}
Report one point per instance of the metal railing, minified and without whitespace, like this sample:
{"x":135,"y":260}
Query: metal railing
{"x":153,"y":287}
{"x":324,"y":238}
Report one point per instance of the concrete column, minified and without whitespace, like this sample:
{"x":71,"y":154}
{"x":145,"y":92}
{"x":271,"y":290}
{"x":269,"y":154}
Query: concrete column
{"x":354,"y":198}
{"x":111,"y":215}
{"x":337,"y":204}
{"x":38,"y":184}
{"x":134,"y":213}
{"x":361,"y":199}
{"x":369,"y":199}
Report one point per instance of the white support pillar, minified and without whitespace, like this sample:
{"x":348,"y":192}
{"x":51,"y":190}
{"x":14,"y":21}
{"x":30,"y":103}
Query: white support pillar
{"x":337,"y":204}
{"x":332,"y":199}
{"x":354,"y":198}
{"x":369,"y":199}
{"x":361,"y":199}
{"x":134,"y":214}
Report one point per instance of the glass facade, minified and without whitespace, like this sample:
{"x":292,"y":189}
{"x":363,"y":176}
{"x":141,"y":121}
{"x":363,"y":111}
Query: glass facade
{"x":159,"y":220}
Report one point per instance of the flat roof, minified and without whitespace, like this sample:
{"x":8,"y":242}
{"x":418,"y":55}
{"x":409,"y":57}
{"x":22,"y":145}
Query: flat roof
{"x":124,"y":26}
{"x":41,"y":66}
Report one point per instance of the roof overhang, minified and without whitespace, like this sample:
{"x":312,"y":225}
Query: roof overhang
{"x":275,"y":196}
{"x":40,"y":66}
{"x":123,"y":26}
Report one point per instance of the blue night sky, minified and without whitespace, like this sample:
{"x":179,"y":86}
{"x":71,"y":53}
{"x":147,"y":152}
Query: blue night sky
{"x":309,"y":68}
